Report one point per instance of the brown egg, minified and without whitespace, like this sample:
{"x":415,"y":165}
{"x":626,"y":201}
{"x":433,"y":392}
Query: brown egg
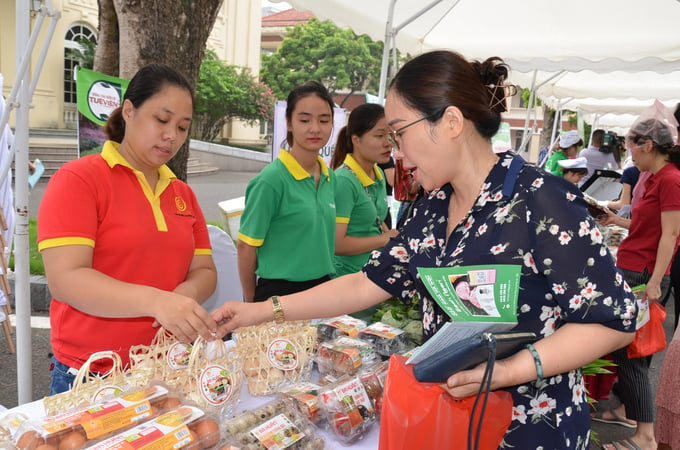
{"x":46,"y":447}
{"x":194,"y":444}
{"x":171,"y":402}
{"x":72,"y":441}
{"x":208,"y":432}
{"x":29,"y":440}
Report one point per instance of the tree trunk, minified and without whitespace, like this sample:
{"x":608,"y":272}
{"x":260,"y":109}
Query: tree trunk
{"x":107,"y":55}
{"x":548,"y":121}
{"x":172,"y":32}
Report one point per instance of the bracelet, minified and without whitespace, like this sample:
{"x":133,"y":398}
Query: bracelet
{"x":537,"y":361}
{"x":279,"y":316}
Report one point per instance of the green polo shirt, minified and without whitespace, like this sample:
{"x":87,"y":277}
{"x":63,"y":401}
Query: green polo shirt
{"x":551,"y":164}
{"x":361,"y":203}
{"x":290,"y":220}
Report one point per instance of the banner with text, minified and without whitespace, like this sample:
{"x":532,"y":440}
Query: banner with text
{"x":98,"y":95}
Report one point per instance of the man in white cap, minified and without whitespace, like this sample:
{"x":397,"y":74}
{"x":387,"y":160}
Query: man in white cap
{"x":569,"y":145}
{"x":574,"y":169}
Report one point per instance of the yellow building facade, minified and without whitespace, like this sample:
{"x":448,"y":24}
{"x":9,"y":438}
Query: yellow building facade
{"x":235,"y":38}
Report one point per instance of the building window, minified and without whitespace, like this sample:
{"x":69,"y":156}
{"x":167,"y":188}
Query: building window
{"x":73,"y":35}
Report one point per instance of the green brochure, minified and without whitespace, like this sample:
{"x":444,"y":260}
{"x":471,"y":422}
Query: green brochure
{"x":477,"y":298}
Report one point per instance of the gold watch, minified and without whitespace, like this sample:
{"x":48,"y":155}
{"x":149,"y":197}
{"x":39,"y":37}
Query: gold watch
{"x":279,"y":317}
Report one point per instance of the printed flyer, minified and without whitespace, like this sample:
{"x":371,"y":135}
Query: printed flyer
{"x":477,"y":298}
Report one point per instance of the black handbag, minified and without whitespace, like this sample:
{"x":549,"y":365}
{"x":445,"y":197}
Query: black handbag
{"x":468,"y":353}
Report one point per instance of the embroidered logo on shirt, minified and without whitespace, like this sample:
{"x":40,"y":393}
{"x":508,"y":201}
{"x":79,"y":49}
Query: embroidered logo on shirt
{"x":180,"y":204}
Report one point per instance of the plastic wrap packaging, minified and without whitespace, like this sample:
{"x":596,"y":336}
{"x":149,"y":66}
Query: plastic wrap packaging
{"x":304,"y":396}
{"x":214,"y":376}
{"x":87,"y":425}
{"x":329,"y":329}
{"x":183,"y":427}
{"x":276,"y":424}
{"x":348,"y":408}
{"x":276,"y":355}
{"x":343,"y":356}
{"x":386,"y":339}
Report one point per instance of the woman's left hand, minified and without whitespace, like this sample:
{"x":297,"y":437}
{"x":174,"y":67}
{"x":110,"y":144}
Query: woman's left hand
{"x":652,"y":291}
{"x":467,"y":382}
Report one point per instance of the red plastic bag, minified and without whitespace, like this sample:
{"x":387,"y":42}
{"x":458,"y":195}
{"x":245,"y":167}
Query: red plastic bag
{"x":651,"y":338}
{"x":403,"y":183}
{"x":423,"y":415}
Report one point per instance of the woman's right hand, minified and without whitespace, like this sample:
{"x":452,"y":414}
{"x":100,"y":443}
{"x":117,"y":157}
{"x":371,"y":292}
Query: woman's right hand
{"x":184,"y":317}
{"x":233,"y":314}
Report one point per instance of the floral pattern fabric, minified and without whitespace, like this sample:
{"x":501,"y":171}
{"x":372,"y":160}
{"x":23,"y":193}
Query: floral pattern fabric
{"x":568,"y":275}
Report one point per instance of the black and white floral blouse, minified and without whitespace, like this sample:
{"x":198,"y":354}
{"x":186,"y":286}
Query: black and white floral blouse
{"x":568,"y":275}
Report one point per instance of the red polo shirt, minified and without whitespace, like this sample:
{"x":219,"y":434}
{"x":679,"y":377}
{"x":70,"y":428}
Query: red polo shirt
{"x":138,"y":236}
{"x":662,"y":193}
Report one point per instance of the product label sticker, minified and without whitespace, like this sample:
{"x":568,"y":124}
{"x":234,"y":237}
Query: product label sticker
{"x":383,"y":330}
{"x":282,"y":354}
{"x":177,"y":356}
{"x":215,"y":384}
{"x":347,"y":324}
{"x":353,"y":397}
{"x":277,"y":433}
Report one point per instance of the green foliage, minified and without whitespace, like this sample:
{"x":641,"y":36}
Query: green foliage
{"x":84,"y":54}
{"x":226,"y":92}
{"x":35,"y":261}
{"x":337,"y":58}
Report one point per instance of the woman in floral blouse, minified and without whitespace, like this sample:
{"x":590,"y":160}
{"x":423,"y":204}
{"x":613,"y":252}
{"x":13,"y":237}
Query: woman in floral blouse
{"x":484,"y":209}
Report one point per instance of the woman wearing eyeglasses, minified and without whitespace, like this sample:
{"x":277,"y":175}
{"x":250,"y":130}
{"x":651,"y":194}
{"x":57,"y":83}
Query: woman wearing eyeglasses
{"x":360,"y":196}
{"x":486,"y":209}
{"x":645,"y":257}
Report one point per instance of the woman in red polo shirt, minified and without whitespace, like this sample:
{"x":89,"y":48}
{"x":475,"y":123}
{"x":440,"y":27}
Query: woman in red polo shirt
{"x":124,"y":242}
{"x":645,"y":257}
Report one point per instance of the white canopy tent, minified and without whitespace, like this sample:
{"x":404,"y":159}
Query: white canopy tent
{"x":612,"y":48}
{"x":548,"y":35}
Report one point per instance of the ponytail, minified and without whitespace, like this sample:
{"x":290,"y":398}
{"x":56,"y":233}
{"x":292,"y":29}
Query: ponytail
{"x":115,"y":125}
{"x":342,"y":148}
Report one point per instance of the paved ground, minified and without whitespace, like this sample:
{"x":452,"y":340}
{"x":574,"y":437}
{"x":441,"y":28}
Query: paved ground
{"x":210,"y":189}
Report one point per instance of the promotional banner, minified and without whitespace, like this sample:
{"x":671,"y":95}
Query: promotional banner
{"x":98,"y":95}
{"x":280,"y":131}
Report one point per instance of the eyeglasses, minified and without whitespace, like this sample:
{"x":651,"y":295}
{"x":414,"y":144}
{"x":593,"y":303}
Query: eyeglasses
{"x":394,"y":135}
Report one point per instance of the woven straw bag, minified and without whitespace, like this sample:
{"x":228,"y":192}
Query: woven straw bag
{"x":89,"y":387}
{"x":276,"y":355}
{"x":214,"y":376}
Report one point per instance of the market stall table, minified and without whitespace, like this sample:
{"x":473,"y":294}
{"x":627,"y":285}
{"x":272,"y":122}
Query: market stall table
{"x":36,"y":410}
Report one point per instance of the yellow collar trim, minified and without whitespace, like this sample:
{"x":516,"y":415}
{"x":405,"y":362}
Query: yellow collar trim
{"x":361,"y":175}
{"x":112,"y":157}
{"x":295,"y":169}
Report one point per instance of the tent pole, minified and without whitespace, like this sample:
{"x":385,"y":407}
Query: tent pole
{"x":389,"y":41}
{"x":21,"y":265}
{"x":531,"y":105}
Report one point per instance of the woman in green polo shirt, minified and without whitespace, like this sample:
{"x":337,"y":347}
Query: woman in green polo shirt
{"x":286,"y":238}
{"x":360,"y":196}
